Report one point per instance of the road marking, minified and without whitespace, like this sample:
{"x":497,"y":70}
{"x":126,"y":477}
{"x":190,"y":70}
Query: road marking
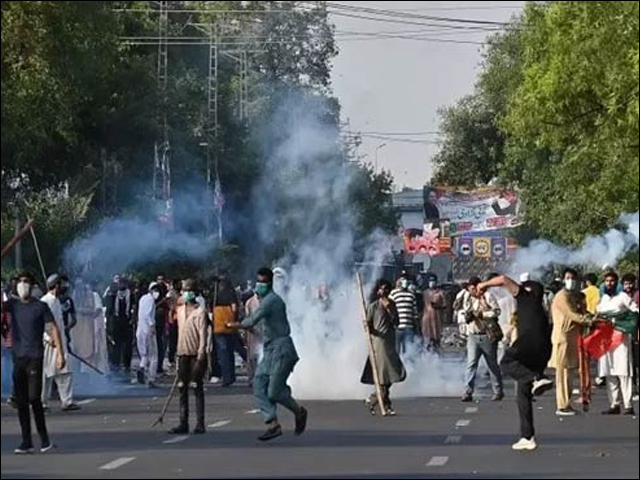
{"x":253,"y":412}
{"x":175,"y":440}
{"x":438,"y":462}
{"x":220,"y":424}
{"x":88,"y":401}
{"x":453,"y":440}
{"x":117,"y":463}
{"x":463,"y":423}
{"x":471,"y":410}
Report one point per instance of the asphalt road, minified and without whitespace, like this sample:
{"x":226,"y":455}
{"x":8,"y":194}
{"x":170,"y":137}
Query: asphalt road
{"x":430,"y":438}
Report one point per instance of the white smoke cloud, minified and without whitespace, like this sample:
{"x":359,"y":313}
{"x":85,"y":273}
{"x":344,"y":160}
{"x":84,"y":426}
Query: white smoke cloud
{"x":303,"y":183}
{"x":596,"y":251}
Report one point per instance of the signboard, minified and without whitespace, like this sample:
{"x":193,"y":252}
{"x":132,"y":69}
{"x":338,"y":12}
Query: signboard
{"x":479,"y":210}
{"x":482,"y":247}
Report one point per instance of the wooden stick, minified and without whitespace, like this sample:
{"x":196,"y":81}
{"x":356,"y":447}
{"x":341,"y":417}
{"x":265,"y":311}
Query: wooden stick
{"x":172,"y":392}
{"x":16,"y":239}
{"x":372,"y":356}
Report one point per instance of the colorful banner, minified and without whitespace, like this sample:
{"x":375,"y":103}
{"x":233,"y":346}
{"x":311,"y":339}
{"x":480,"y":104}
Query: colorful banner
{"x":428,"y":241}
{"x":480,"y":210}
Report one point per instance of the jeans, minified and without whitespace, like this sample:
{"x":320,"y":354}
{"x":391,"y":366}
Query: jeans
{"x":226,"y":348}
{"x":479,"y":346}
{"x":405,"y":339}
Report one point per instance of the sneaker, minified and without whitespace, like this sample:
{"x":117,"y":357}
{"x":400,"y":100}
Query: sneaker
{"x":629,"y":412}
{"x":541,"y":386}
{"x":524,"y":445}
{"x":301,"y":422}
{"x":391,"y":412}
{"x":566,"y":412}
{"x":498,"y":397}
{"x":24,"y":449}
{"x":372,"y":409}
{"x":214,"y":380}
{"x":72,"y":407}
{"x":467,"y":398}
{"x":271,"y":433}
{"x":613,"y":411}
{"x":47,"y":446}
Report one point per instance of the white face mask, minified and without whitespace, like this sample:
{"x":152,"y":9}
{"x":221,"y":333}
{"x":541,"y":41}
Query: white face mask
{"x":24,"y":290}
{"x":571,"y":284}
{"x":155,"y":295}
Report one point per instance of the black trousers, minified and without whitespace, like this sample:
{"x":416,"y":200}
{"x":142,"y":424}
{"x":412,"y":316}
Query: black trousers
{"x":190,"y":370}
{"x":524,"y":377}
{"x":161,"y":334}
{"x":27,"y":381}
{"x":173,"y":343}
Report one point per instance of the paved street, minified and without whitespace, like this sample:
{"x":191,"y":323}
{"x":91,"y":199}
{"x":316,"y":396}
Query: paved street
{"x":430,"y":438}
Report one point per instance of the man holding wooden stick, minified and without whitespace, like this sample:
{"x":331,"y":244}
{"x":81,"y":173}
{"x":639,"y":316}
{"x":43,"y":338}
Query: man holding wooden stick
{"x":383,"y":367}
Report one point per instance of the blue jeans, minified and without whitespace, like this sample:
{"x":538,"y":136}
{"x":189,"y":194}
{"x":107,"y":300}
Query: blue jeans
{"x":479,"y":346}
{"x":405,"y":338}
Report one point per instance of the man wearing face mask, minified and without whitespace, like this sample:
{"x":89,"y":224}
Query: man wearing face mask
{"x":407,"y":307}
{"x":192,"y":357}
{"x":616,"y":365}
{"x":146,"y":335}
{"x":30,"y":320}
{"x":435,"y":304}
{"x":569,"y":317}
{"x":62,"y":377}
{"x":279,"y":358}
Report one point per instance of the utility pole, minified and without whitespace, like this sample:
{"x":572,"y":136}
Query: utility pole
{"x":162,"y":161}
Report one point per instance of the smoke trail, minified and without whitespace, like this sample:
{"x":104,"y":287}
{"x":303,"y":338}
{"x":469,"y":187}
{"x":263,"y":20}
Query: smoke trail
{"x":304,"y":194}
{"x":121,"y":243}
{"x":605,"y":249}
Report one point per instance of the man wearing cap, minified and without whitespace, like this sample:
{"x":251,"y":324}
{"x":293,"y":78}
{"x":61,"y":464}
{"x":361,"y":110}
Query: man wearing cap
{"x":63,"y":377}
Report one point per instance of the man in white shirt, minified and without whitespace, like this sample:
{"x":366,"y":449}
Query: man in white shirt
{"x":63,"y":377}
{"x":146,"y":334}
{"x":616,"y":365}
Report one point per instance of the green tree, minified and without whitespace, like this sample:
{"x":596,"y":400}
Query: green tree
{"x":573,"y":120}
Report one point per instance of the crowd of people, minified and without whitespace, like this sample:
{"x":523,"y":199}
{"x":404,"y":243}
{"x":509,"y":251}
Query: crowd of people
{"x":138,"y":332}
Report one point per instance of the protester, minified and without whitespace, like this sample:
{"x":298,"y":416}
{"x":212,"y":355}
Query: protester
{"x":279,"y":358}
{"x":526,"y":359}
{"x":382,"y":321}
{"x":30,"y":320}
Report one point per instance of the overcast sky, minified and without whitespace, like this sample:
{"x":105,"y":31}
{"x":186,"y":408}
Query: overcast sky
{"x":390,"y":85}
